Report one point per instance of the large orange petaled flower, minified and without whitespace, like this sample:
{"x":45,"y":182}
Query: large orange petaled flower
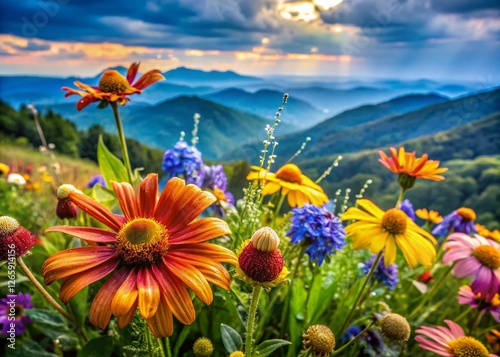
{"x":299,"y":188}
{"x":113,"y":87}
{"x":377,"y":230}
{"x":407,"y":163}
{"x":155,"y":252}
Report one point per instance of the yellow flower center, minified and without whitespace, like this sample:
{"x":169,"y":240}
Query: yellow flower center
{"x":290,"y":173}
{"x":466,"y":213}
{"x":8,"y":225}
{"x":394,"y":221}
{"x":142,"y":241}
{"x":467,"y":347}
{"x":488,"y":256}
{"x":113,"y":82}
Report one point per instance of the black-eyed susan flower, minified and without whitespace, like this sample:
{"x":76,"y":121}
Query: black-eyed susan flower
{"x":429,"y":215}
{"x":113,"y":87}
{"x":154,"y":253}
{"x":450,"y":342}
{"x":260,"y":262}
{"x":319,"y":339}
{"x":4,"y":169}
{"x":389,"y":230}
{"x":409,"y":167}
{"x":299,"y":188}
{"x":15,"y":240}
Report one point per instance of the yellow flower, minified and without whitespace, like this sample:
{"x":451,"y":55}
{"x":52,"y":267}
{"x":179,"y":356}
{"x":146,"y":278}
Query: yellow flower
{"x":4,"y":169}
{"x":432,"y":216}
{"x":389,"y":230}
{"x":290,"y":180}
{"x":486,"y":233}
{"x":113,"y":87}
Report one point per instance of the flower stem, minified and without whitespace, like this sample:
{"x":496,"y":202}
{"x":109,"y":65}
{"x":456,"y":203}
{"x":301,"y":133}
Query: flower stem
{"x":477,"y":319}
{"x":123,"y":142}
{"x":278,"y":208}
{"x":431,"y":292}
{"x":251,"y":320}
{"x":49,"y":298}
{"x":353,"y":339}
{"x":360,"y":292}
{"x":167,"y":345}
{"x":400,"y":197}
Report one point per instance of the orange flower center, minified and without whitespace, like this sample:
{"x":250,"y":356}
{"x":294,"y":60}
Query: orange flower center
{"x":142,"y":241}
{"x":219,"y":194}
{"x":466,"y":213}
{"x":495,"y":302}
{"x":290,"y":173}
{"x":19,"y":311}
{"x":467,"y":347}
{"x":488,"y":256}
{"x":113,"y":82}
{"x":394,"y":221}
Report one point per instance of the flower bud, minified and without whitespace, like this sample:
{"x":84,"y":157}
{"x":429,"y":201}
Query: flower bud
{"x":15,"y":240}
{"x":395,"y":327}
{"x":237,"y":354}
{"x":320,"y":340}
{"x":265,"y":239}
{"x":260,"y":266}
{"x":66,"y":208}
{"x":203,"y":347}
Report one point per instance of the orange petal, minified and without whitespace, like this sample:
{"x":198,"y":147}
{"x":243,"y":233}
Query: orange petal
{"x":148,"y":195}
{"x":213,"y":252}
{"x":149,"y":292}
{"x":124,"y":320}
{"x":96,"y":210}
{"x":126,"y":295}
{"x":178,"y":298}
{"x":89,"y":234}
{"x":126,"y":197}
{"x":148,"y":79}
{"x":85,"y":101}
{"x":191,"y":277}
{"x":215,"y":274}
{"x":73,"y":284}
{"x":132,"y":72}
{"x":169,"y":194}
{"x":162,"y":323}
{"x":200,"y":231}
{"x":76,"y":260}
{"x":100,"y":311}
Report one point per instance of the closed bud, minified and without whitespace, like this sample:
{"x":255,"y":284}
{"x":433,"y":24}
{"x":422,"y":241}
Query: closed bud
{"x":265,"y":239}
{"x":395,"y":327}
{"x":15,"y":240}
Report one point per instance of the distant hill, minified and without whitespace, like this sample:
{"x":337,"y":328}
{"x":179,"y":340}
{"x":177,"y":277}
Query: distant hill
{"x":265,"y":102}
{"x":341,"y":123}
{"x":183,"y":75}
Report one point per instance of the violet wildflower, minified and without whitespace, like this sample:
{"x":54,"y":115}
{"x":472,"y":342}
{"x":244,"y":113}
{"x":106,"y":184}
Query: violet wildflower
{"x":14,"y":307}
{"x":96,"y":180}
{"x":458,"y":221}
{"x":182,"y":160}
{"x":388,"y":275}
{"x":407,"y":207}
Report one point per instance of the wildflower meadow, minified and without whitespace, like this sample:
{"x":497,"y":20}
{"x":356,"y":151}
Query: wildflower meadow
{"x":113,"y":260}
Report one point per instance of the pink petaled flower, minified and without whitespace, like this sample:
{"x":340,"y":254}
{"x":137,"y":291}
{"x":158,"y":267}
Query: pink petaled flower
{"x":450,"y":342}
{"x":467,"y":296}
{"x":475,"y":256}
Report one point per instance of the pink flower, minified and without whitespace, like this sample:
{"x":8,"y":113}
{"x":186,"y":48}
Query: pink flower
{"x":450,"y":342}
{"x":467,"y":296}
{"x":475,"y":256}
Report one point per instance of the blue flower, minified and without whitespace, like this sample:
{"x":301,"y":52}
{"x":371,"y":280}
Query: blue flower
{"x":214,"y":176}
{"x":371,"y":341}
{"x":319,"y":228}
{"x":183,"y":160}
{"x":96,"y":179}
{"x":20,"y":303}
{"x":388,"y":275}
{"x":351,"y":332}
{"x":460,"y":220}
{"x":407,"y":208}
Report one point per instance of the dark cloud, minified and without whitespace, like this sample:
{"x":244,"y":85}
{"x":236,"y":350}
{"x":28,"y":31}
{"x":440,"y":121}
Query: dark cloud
{"x":464,"y":6}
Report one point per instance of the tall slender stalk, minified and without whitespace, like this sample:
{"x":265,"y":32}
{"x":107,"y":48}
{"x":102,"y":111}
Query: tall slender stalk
{"x":123,"y":142}
{"x":251,"y":320}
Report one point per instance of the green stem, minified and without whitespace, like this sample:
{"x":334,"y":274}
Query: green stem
{"x":431,"y":292}
{"x":477,"y":319}
{"x":123,"y":142}
{"x":148,"y":339}
{"x":400,"y":197}
{"x":463,"y":314}
{"x":49,"y":298}
{"x":354,"y":339}
{"x":251,"y":320}
{"x":278,"y":208}
{"x":358,"y":297}
{"x":167,"y":347}
{"x":306,"y":317}
{"x":265,"y":317}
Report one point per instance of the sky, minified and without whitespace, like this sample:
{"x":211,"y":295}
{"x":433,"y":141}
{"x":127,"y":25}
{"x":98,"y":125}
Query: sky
{"x":436,"y":39}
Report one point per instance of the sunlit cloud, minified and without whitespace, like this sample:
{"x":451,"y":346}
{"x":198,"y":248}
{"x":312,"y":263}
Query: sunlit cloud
{"x":327,"y":4}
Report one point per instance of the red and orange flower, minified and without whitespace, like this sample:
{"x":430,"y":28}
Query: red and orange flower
{"x":155,"y":253}
{"x":113,"y":87}
{"x":407,"y":163}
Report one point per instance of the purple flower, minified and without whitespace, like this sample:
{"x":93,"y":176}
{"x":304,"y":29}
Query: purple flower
{"x":96,"y":179}
{"x":467,"y":296}
{"x":371,"y":341}
{"x":184,"y":160}
{"x":458,"y":221}
{"x":388,"y":275}
{"x":318,"y":228}
{"x":14,"y":308}
{"x":214,"y":176}
{"x":407,"y":208}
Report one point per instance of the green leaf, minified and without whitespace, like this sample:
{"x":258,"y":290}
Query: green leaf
{"x":104,"y":196}
{"x":45,"y":317}
{"x":28,"y":348}
{"x":297,"y":302}
{"x":112,"y":169}
{"x":269,"y":346}
{"x":231,"y":338}
{"x":79,"y":306}
{"x":98,"y":347}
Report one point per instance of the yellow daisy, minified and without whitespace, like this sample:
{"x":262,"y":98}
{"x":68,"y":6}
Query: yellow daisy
{"x":389,"y":230}
{"x":432,"y":216}
{"x":299,"y":188}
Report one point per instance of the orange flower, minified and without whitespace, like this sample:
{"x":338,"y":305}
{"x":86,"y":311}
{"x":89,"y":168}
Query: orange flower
{"x":155,"y":253}
{"x":408,"y":164}
{"x":486,"y":233}
{"x":432,"y":216}
{"x":290,"y":180}
{"x":113,"y":87}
